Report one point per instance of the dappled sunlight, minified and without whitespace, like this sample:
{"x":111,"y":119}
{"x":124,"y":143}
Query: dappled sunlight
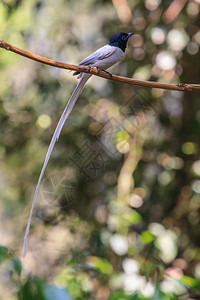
{"x":117,"y":215}
{"x":119,"y":244}
{"x":165,"y":61}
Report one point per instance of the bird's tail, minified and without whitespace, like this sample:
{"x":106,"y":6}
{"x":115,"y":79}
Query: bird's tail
{"x":77,"y":91}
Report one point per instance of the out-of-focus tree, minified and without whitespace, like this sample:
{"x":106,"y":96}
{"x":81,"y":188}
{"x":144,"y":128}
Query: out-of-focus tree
{"x":118,"y":211}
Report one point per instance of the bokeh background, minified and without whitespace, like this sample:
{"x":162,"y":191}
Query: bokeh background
{"x":118,"y":212}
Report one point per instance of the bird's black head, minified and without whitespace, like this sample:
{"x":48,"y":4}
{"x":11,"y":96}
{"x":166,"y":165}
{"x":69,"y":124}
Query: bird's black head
{"x":120,"y":40}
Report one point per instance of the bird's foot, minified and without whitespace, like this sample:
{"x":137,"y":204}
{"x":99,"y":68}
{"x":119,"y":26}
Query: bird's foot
{"x":98,"y":70}
{"x":108,"y":73}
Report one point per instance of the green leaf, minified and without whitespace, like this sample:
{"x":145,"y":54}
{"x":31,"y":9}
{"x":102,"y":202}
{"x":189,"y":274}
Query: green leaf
{"x":146,"y":237}
{"x":33,"y":289}
{"x":189,"y":281}
{"x":100,"y":264}
{"x":122,"y":296}
{"x":3,"y":254}
{"x":17,"y":266}
{"x":71,"y":261}
{"x":151,"y":266}
{"x":132,"y":216}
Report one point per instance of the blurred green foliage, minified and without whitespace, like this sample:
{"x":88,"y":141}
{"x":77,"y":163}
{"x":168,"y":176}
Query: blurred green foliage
{"x":118,"y":212}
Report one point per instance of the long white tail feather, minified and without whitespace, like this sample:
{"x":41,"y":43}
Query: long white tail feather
{"x":77,"y":91}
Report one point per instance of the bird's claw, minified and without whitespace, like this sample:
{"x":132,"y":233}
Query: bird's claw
{"x":108,"y":73}
{"x":99,"y":70}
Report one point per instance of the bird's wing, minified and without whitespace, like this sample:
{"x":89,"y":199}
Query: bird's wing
{"x":100,"y":54}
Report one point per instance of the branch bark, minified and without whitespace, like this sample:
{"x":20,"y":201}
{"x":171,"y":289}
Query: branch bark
{"x":94,"y":71}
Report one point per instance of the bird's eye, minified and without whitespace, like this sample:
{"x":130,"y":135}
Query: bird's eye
{"x":123,"y":38}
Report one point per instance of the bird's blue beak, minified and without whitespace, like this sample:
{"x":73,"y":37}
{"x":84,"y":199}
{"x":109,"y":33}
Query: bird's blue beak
{"x":130,"y":34}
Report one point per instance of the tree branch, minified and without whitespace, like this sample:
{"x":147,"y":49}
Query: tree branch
{"x":94,"y":71}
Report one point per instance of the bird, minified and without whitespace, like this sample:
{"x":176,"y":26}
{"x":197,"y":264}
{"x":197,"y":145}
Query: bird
{"x":102,"y":59}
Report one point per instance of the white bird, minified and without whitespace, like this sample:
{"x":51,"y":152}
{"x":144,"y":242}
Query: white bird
{"x":103,"y":58}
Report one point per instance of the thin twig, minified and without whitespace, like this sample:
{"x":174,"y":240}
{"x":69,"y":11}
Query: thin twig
{"x":86,"y":69}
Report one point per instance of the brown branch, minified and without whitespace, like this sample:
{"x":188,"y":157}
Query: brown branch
{"x":94,"y":71}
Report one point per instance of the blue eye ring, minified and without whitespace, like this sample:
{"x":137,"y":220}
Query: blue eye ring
{"x":123,"y":37}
